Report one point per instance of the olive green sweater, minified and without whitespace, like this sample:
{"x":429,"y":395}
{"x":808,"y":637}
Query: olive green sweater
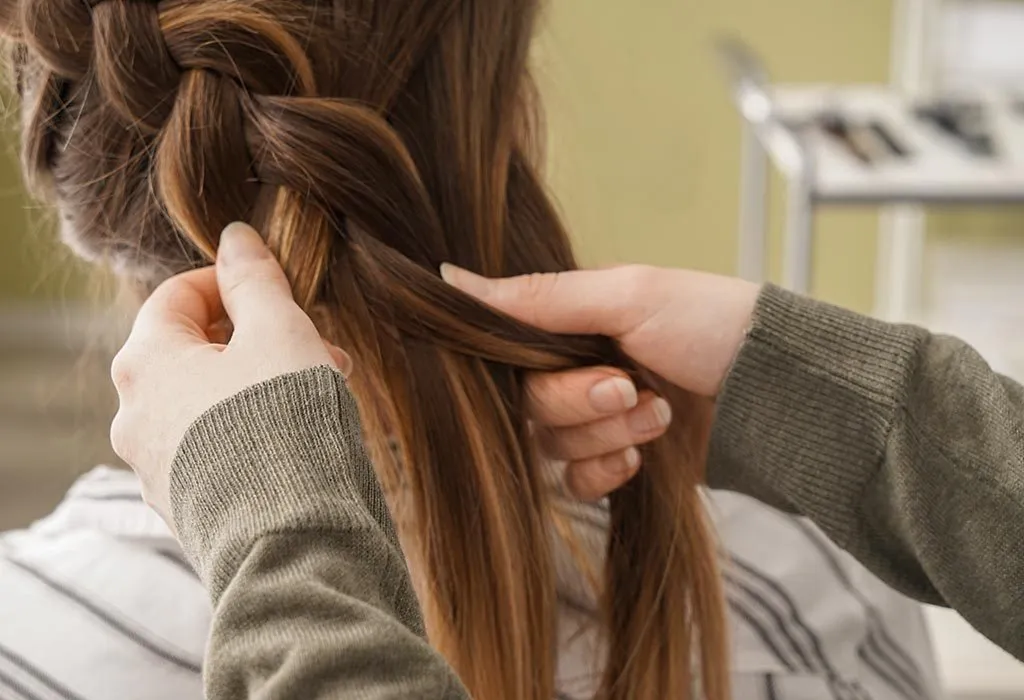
{"x":903,"y":446}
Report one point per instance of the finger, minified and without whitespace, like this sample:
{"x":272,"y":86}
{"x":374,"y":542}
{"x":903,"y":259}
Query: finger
{"x":253,"y":287}
{"x":649,"y":420}
{"x":581,"y":301}
{"x":182,"y":308}
{"x":593,"y":479}
{"x":576,"y":397}
{"x":341,"y":359}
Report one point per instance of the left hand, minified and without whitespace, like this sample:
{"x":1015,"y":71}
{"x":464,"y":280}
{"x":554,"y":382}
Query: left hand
{"x":176,"y":365}
{"x":594,"y":419}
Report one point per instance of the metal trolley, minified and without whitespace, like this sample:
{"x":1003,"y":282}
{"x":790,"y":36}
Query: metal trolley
{"x":782,"y":127}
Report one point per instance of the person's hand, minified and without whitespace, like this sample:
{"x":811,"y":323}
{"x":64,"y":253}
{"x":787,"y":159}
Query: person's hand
{"x":591,"y":420}
{"x":178,"y":361}
{"x":686,"y":326}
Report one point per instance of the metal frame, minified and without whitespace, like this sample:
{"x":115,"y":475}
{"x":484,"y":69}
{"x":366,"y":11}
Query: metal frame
{"x":756,"y":109}
{"x":902,"y":229}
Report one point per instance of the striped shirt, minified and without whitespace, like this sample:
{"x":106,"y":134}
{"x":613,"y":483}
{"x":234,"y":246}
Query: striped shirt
{"x":98,"y":604}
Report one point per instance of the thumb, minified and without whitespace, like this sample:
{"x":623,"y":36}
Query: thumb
{"x":580,"y":301}
{"x":253,"y":287}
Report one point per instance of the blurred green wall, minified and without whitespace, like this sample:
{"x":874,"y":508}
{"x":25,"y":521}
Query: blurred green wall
{"x":33,"y":265}
{"x":20,"y":261}
{"x":645,"y":141}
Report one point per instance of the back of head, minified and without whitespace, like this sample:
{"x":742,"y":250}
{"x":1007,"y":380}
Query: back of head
{"x":372,"y":140}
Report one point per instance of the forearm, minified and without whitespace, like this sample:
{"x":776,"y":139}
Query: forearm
{"x":278,"y":507}
{"x":311,"y":615}
{"x":808,"y":407}
{"x":904,"y":447}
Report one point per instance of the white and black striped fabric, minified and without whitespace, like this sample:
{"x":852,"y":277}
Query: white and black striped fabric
{"x":97,"y":604}
{"x":807,"y":621}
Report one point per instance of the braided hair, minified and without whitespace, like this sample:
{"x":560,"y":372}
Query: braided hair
{"x":370,"y":141}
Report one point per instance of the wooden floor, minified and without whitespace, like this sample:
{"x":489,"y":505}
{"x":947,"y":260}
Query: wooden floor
{"x":55,"y":408}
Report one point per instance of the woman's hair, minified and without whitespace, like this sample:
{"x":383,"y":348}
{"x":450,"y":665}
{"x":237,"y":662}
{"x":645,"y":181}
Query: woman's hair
{"x":371,"y":141}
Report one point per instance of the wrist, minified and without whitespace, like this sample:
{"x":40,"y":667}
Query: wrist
{"x":741,"y":304}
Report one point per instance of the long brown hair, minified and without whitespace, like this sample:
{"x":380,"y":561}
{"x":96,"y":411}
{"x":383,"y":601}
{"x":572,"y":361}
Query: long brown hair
{"x":371,"y":141}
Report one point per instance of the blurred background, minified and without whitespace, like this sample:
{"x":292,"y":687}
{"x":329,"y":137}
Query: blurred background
{"x":649,"y":162}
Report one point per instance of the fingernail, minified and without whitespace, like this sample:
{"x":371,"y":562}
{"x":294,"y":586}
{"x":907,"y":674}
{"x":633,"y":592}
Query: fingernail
{"x":656,"y":416}
{"x":469,"y":282}
{"x":239,"y":242}
{"x":632,"y":456}
{"x":613,"y":395}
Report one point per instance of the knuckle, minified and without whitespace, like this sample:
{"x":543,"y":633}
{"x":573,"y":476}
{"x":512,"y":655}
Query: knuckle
{"x":604,"y":438}
{"x":596,"y":442}
{"x":119,"y":438}
{"x":583,"y":482}
{"x":525,"y":296}
{"x":593,"y":479}
{"x":122,"y":370}
{"x":540,"y":285}
{"x":583,"y":442}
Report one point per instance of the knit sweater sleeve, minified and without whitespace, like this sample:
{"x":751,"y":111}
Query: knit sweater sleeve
{"x":905,"y":447}
{"x":279,"y":509}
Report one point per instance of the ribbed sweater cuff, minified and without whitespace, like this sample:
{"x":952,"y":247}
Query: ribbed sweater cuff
{"x":282,"y":456}
{"x":804,"y":415}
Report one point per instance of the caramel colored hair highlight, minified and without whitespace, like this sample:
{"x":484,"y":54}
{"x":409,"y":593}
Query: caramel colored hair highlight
{"x":371,"y":141}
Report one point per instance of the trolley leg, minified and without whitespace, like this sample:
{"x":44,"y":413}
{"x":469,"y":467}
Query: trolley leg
{"x":752,"y":259}
{"x":898,"y":273}
{"x":798,"y":254}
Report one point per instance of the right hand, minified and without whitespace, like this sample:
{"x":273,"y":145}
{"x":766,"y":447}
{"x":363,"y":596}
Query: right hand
{"x":686,"y":326}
